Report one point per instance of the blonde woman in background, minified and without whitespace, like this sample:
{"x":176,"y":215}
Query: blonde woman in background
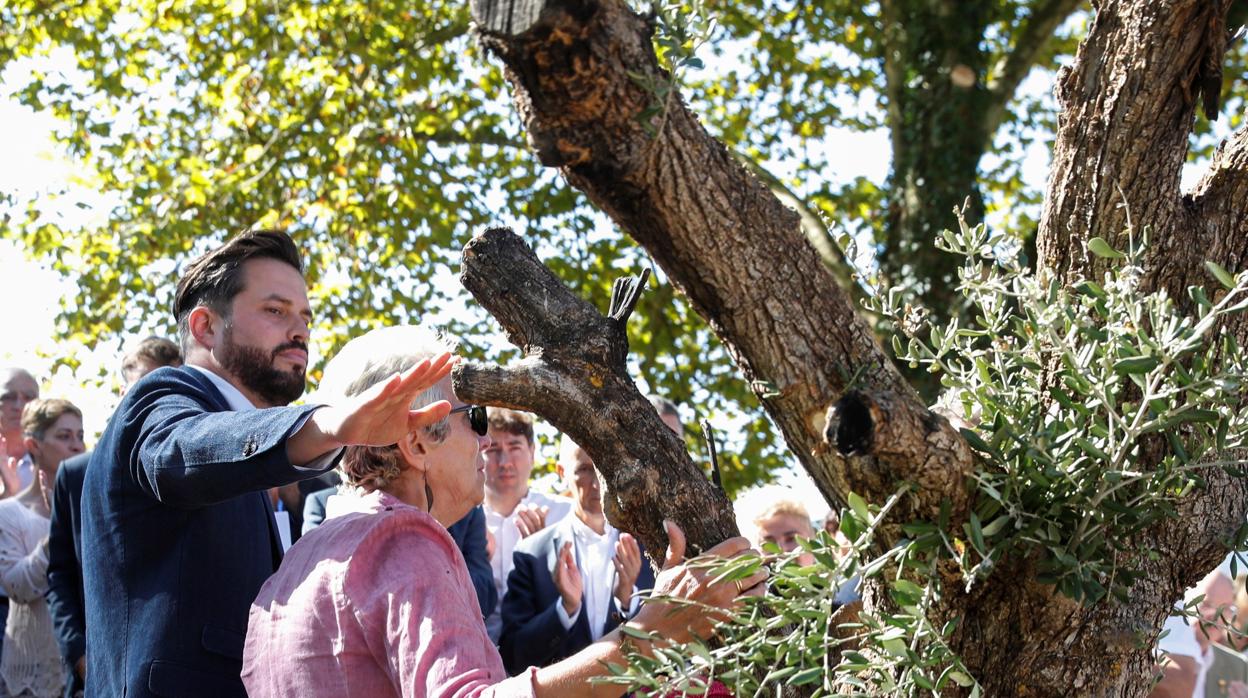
{"x":31,"y":664}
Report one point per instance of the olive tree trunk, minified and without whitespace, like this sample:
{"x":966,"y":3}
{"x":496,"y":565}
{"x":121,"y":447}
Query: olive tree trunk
{"x":577,"y":70}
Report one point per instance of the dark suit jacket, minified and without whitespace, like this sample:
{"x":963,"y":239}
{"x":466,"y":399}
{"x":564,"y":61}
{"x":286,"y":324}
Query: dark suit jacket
{"x":314,"y":508}
{"x":65,"y":566}
{"x":532,"y":633}
{"x":1228,"y":665}
{"x":181,"y":536}
{"x":468,"y":533}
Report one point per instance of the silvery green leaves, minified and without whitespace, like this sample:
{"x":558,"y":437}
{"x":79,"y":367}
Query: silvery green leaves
{"x":1061,"y":388}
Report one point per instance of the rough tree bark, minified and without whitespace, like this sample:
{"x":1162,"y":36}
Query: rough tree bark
{"x":740,"y":258}
{"x":574,"y":374}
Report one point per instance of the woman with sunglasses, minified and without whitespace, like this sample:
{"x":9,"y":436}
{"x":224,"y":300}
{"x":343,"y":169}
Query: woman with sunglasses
{"x":379,"y":603}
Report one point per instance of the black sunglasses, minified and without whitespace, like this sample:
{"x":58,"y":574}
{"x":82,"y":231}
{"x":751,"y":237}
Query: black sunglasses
{"x":477,"y":418}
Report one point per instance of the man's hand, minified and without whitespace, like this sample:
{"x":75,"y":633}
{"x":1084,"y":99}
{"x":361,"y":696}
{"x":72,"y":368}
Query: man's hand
{"x":379,"y":416}
{"x":627,"y":563}
{"x":568,"y":580}
{"x":530,"y":520}
{"x":8,"y":471}
{"x":80,"y":667}
{"x":1237,"y":689}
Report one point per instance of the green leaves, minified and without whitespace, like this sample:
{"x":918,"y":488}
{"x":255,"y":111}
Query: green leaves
{"x":1063,"y":387}
{"x":1100,"y":248}
{"x":1222,"y":275}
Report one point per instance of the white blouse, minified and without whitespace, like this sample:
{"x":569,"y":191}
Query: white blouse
{"x":31,"y":662}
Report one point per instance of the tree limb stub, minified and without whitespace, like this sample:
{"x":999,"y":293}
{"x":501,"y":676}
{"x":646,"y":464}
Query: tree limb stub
{"x":579,"y":71}
{"x":574,"y":375}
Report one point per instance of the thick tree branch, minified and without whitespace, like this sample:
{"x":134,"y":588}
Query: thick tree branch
{"x":574,"y":374}
{"x":1221,"y":200}
{"x":1128,"y":106}
{"x":812,"y":225}
{"x":1029,"y":42}
{"x":578,"y":68}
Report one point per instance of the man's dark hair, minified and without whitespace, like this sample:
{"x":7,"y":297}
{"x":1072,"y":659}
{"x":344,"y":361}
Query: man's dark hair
{"x":156,"y":350}
{"x":512,"y":422}
{"x":215,"y":278}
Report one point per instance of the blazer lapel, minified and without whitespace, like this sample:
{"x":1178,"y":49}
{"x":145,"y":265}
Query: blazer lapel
{"x":218,"y":400}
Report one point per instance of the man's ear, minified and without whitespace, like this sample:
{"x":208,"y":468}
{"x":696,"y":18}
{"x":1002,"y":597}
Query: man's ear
{"x":206,"y":326}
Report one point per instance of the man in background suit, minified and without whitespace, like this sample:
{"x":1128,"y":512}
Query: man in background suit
{"x":64,"y":540}
{"x":175,"y":510}
{"x":572,"y":582}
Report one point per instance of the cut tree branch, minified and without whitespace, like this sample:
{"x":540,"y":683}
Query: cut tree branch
{"x":579,"y":70}
{"x":574,"y":374}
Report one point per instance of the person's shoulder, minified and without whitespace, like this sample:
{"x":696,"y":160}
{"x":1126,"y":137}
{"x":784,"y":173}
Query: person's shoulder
{"x":10,"y":507}
{"x":396,"y":532}
{"x":74,"y":467}
{"x":540,"y":543}
{"x":1222,"y":653}
{"x":559,"y":505}
{"x":13,"y":512}
{"x":170,"y":380}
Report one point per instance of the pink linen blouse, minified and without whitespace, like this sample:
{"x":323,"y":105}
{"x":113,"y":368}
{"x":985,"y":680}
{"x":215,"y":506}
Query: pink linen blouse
{"x":370,"y":605}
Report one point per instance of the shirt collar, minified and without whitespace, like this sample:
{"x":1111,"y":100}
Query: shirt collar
{"x":585,"y":533}
{"x":233,"y":397}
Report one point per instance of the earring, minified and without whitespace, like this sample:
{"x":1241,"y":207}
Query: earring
{"x":428,"y":496}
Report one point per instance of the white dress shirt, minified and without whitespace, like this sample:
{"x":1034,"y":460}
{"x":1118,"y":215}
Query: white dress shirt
{"x":506,"y":534}
{"x":594,"y":558}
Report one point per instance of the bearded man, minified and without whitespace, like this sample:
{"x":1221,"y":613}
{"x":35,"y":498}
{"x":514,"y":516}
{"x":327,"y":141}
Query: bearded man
{"x":178,"y":532}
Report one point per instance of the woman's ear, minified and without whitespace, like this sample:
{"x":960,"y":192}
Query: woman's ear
{"x":412,"y":447}
{"x":32,"y":446}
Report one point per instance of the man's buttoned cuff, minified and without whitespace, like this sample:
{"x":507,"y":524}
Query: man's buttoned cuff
{"x":321,"y":464}
{"x":564,"y":620}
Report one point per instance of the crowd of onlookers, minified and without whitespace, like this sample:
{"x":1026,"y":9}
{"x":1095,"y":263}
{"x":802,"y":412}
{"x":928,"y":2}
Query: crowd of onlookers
{"x":388,"y":540}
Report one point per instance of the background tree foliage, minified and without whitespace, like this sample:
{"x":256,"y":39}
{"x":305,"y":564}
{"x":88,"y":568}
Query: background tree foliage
{"x":377,"y":133}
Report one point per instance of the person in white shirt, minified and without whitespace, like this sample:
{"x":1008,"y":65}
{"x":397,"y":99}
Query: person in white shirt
{"x":17,"y":387}
{"x":573,"y":582}
{"x":1197,"y":660}
{"x":513,"y":511}
{"x":31,"y":665}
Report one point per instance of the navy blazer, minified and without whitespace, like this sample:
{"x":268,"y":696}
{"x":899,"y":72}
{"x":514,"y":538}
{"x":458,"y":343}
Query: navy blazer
{"x":532,"y":633}
{"x":181,"y":534}
{"x":314,"y":508}
{"x":65,"y":567}
{"x":468,"y":533}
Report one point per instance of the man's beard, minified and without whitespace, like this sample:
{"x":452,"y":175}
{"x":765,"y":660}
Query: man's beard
{"x":254,"y":369}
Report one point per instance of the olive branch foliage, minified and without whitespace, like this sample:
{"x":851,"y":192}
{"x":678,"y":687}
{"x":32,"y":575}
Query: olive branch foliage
{"x":1060,"y":390}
